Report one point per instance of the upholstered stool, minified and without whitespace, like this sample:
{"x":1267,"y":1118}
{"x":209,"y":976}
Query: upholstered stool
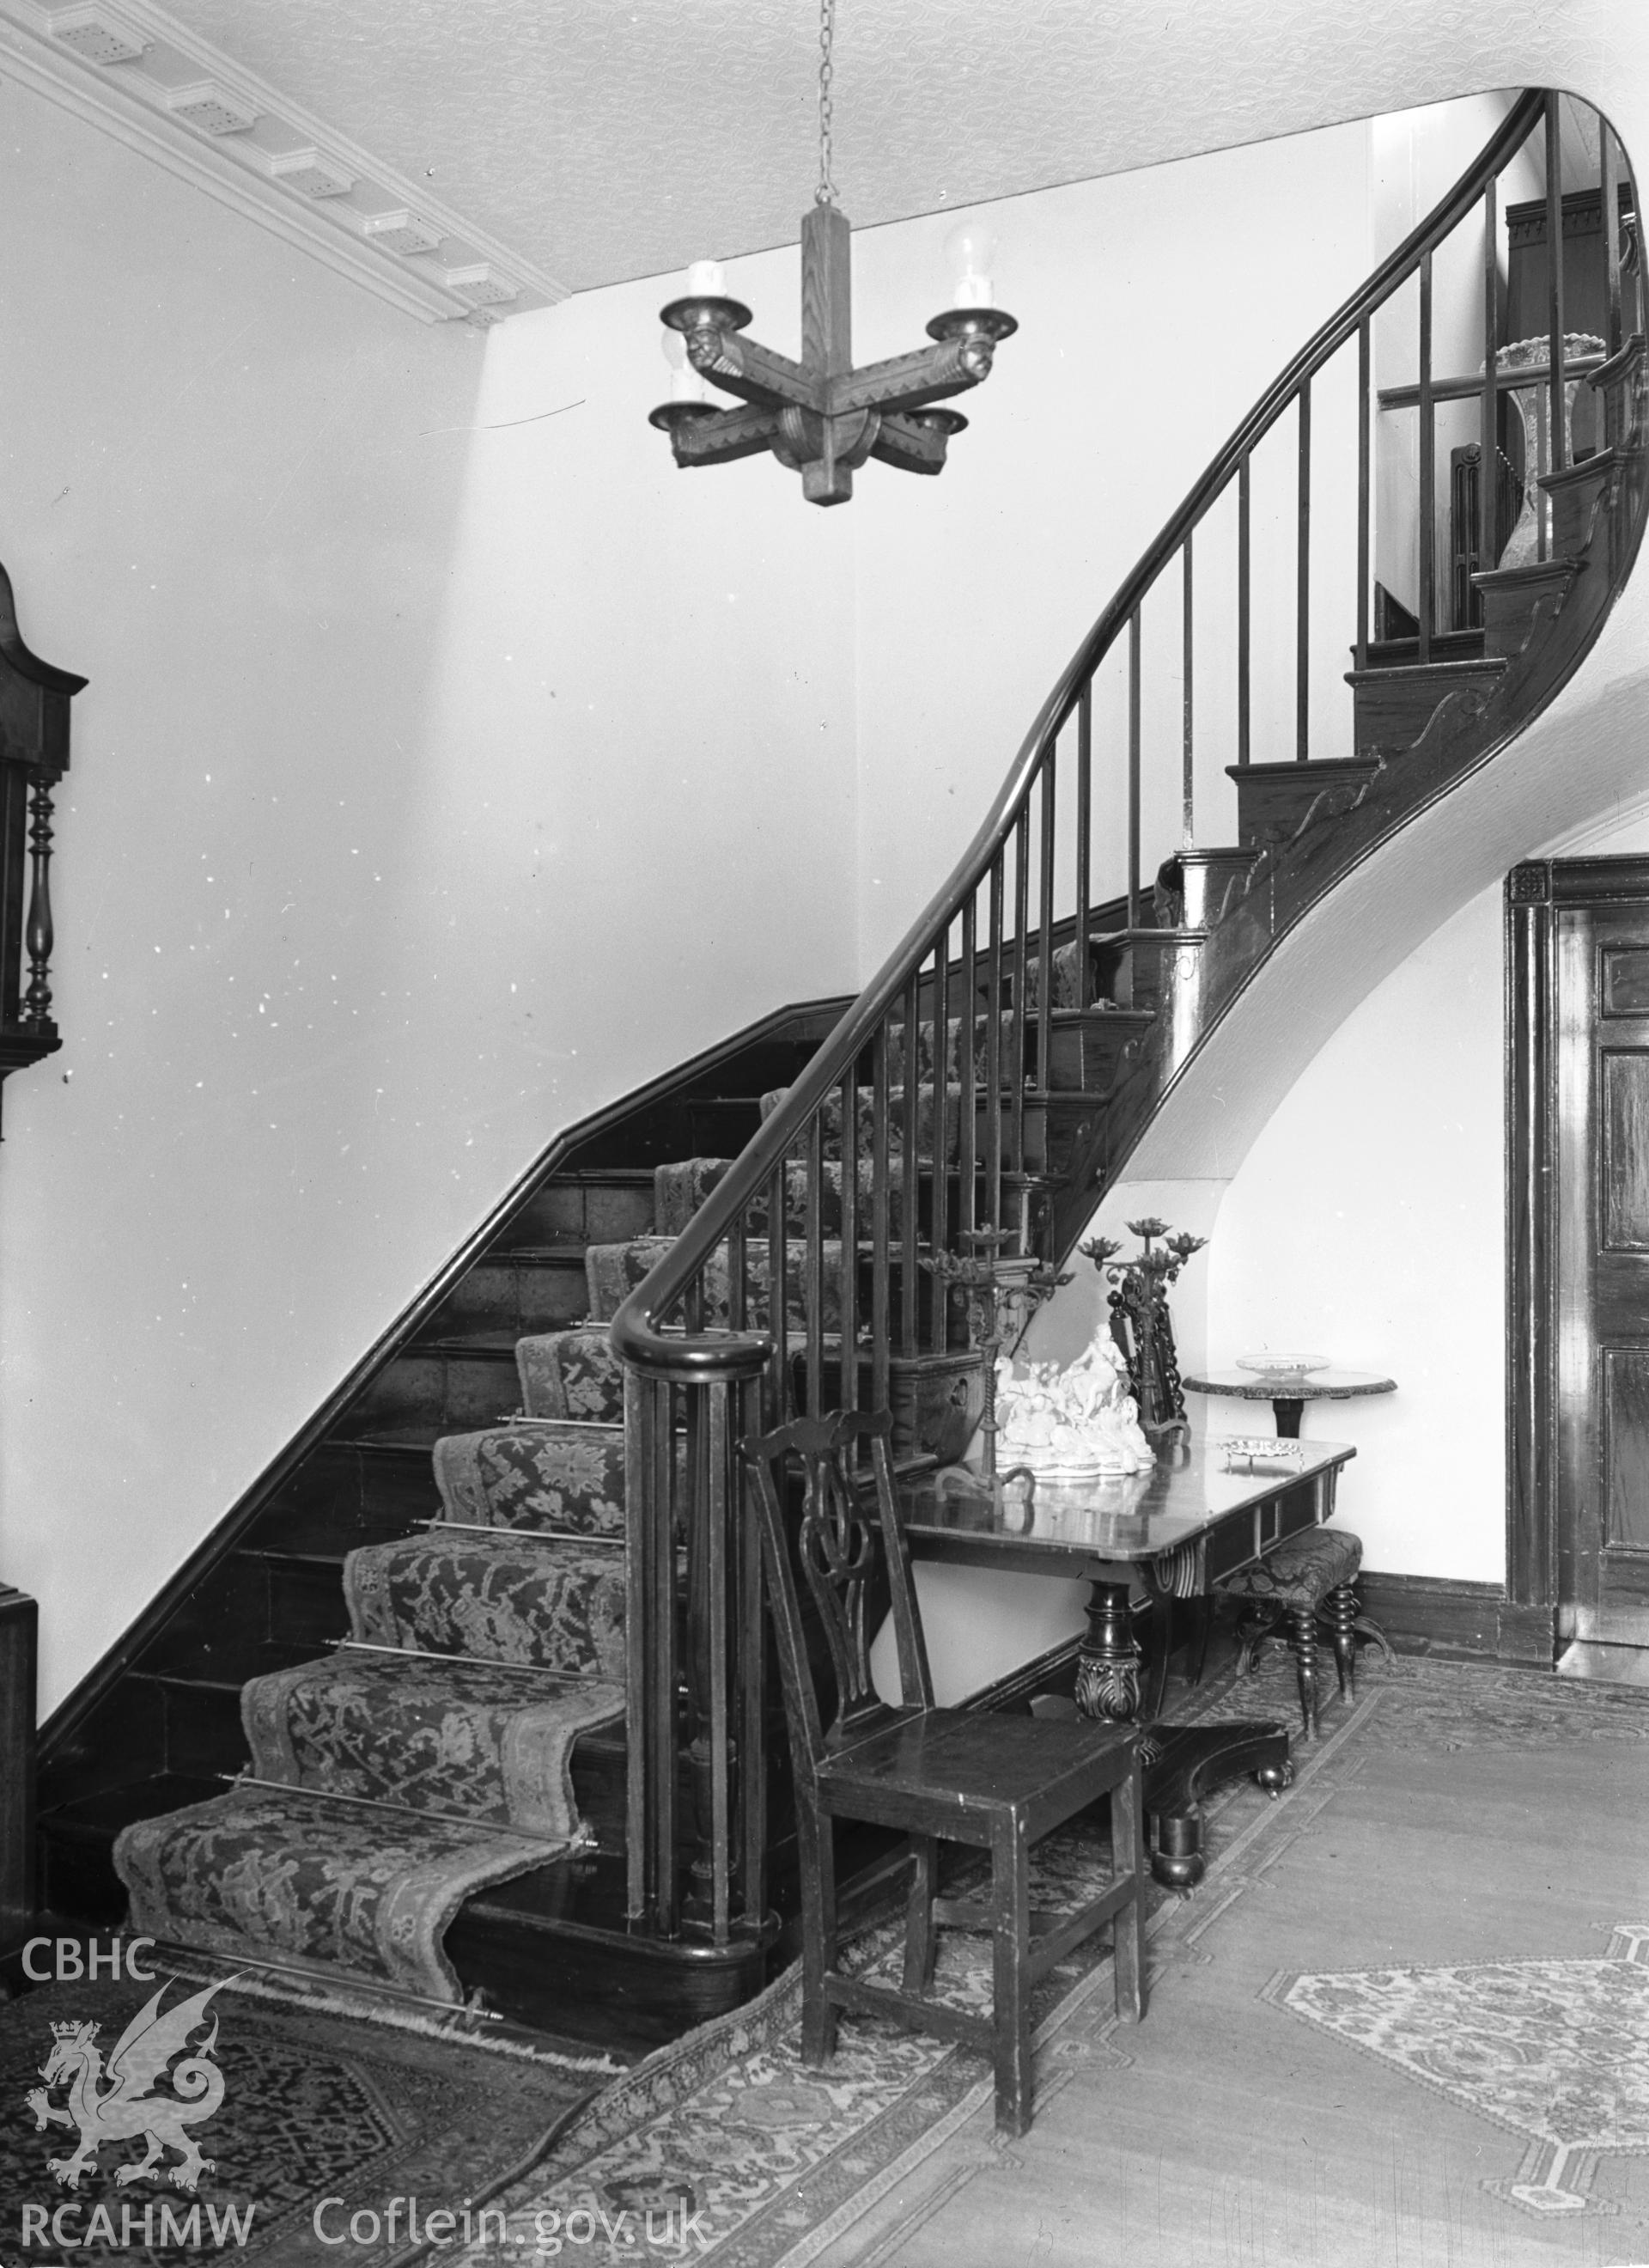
{"x":1308,"y":1578}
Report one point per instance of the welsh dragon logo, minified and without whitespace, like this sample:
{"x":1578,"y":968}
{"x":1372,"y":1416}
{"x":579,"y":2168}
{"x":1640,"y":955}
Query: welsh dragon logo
{"x":125,"y":2108}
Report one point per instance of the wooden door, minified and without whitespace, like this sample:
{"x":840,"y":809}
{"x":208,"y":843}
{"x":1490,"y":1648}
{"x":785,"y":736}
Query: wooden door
{"x":1599,"y":1068}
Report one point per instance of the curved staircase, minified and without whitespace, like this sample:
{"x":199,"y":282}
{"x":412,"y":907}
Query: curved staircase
{"x":550,"y":1736}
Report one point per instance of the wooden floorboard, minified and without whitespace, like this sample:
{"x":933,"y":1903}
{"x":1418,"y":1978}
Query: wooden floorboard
{"x":1226,"y":2130}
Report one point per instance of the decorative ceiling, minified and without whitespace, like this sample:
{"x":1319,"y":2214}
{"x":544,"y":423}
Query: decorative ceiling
{"x":571,"y":143}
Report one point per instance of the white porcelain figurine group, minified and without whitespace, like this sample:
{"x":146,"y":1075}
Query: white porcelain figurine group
{"x":1070,"y":1424}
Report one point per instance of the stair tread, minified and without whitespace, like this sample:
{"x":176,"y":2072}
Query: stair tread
{"x":392,"y":1443}
{"x":1458,"y":644}
{"x":414,"y":1438}
{"x":101,"y":1817}
{"x":1439,"y":673}
{"x":495,"y":1345}
{"x":254,"y":1658}
{"x":1317,"y":768}
{"x":1531,"y":571}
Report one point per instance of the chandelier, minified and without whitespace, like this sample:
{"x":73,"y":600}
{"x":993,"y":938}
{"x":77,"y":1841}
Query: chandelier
{"x":820,"y":416}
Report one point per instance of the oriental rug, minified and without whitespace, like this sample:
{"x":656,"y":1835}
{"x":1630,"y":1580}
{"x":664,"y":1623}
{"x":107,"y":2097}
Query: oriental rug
{"x":318,"y":2114}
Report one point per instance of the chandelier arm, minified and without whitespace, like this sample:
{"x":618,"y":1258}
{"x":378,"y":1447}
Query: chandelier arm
{"x":909,"y":447}
{"x":725,"y":436}
{"x":906,"y":381}
{"x":754,"y":373}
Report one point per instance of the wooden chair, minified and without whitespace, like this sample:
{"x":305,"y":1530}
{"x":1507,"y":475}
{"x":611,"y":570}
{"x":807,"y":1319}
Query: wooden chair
{"x":995,"y":1782}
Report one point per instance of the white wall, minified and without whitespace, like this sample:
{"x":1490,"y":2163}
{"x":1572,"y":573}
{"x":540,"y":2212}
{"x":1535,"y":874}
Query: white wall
{"x":440,"y":776}
{"x":1367,"y":1223}
{"x":1155,"y":307}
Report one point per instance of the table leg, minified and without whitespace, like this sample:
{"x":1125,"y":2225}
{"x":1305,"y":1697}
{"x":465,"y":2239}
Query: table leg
{"x":1108,"y":1660}
{"x":1182,"y":1763}
{"x":1287,"y":1409}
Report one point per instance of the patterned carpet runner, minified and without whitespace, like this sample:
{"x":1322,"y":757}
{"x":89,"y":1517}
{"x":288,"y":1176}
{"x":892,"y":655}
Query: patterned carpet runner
{"x":430,"y":1757}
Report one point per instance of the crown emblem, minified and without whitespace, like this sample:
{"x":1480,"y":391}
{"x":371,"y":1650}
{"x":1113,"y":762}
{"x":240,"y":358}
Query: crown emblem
{"x":75,"y":2031}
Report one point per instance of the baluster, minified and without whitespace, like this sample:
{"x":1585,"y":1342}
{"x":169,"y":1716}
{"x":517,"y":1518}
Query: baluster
{"x":940,"y":1121}
{"x":1489,"y":409}
{"x":37,"y":1005}
{"x":699,"y":1903}
{"x":993,"y":1051}
{"x":1543,"y":420}
{"x":1302,"y":574}
{"x":907,"y":1338}
{"x":1556,"y":445}
{"x":848,"y":1291}
{"x":782,"y":1391}
{"x":752,"y":1626}
{"x":737,"y":1264}
{"x":720,"y":1498}
{"x":1085,"y":828}
{"x":1243,"y":555}
{"x":652,"y":1674}
{"x":967,"y":1108}
{"x":1609,"y":166}
{"x":1427,"y":514}
{"x":1608,"y":170}
{"x":1363,"y":491}
{"x":881,"y":1195}
{"x":1133,"y":773}
{"x":1045,"y":908}
{"x":1021,"y":1022}
{"x":813,"y":1264}
{"x":1188,"y":768}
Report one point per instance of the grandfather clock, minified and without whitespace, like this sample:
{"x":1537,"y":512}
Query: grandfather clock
{"x":34,"y":700}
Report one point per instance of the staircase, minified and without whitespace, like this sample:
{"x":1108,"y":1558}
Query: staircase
{"x":758,"y":1237}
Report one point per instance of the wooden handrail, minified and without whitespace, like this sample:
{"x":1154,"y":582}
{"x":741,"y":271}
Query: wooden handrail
{"x":704,"y":1357}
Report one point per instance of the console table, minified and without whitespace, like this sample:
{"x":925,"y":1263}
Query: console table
{"x":1177,"y":1529}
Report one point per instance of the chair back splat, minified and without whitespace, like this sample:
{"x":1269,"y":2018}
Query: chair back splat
{"x":836,"y":1546}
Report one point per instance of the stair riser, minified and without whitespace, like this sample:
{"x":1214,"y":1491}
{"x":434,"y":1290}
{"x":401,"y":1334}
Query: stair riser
{"x":1574,"y":496}
{"x":345,"y":1496}
{"x":460,"y":1392}
{"x":124,"y":1739}
{"x":515,"y":1295}
{"x":203,"y":1730}
{"x":1085,"y":1058}
{"x":78,"y":1878}
{"x":306,"y":1604}
{"x":1391,"y":712}
{"x":1275,"y":801}
{"x":594,"y":1212}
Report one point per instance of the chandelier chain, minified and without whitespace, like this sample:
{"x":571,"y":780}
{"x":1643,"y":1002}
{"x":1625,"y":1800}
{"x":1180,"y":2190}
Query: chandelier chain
{"x":825,"y":194}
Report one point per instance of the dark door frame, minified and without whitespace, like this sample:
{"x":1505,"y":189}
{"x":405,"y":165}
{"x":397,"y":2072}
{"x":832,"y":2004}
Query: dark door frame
{"x":1536,"y":893}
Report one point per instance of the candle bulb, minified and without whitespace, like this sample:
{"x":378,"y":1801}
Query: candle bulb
{"x":971,"y":249}
{"x":705,"y":280}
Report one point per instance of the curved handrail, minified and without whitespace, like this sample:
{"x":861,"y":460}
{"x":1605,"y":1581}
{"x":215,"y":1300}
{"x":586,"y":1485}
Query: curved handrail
{"x":702,"y":1358}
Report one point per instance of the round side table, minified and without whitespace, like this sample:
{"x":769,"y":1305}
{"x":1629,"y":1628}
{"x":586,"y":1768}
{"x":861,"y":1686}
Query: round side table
{"x":1289,"y":1391}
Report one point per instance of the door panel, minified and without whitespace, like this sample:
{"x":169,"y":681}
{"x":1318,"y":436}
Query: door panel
{"x":1625,"y":981}
{"x":1602,"y":1271}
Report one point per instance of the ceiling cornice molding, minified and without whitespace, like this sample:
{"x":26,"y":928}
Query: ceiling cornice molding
{"x":287,"y":171}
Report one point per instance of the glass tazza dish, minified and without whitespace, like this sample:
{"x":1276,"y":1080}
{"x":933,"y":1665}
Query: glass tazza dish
{"x":1282,"y":1365}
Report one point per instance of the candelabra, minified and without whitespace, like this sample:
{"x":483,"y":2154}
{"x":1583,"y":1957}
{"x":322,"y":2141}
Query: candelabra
{"x":1140,"y":1323}
{"x":998,"y":1294}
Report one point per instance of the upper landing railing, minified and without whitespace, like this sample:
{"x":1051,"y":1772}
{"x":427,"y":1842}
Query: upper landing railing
{"x":930,"y":1120}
